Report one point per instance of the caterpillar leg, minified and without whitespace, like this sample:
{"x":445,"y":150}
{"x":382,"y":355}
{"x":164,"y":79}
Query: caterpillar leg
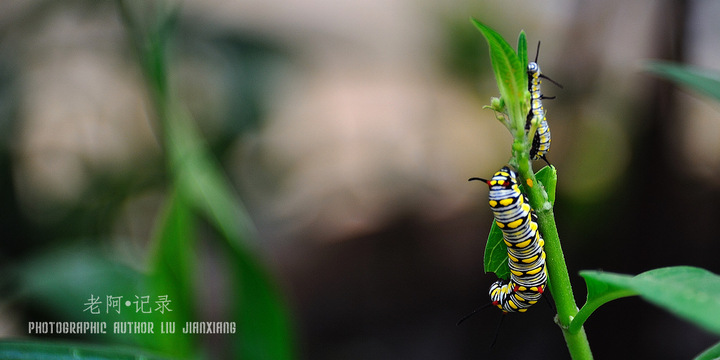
{"x":544,"y":158}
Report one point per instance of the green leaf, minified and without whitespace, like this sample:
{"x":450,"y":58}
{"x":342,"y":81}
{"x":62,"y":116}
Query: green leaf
{"x":261,"y":314}
{"x":602,"y":288}
{"x":495,"y":258}
{"x":29,"y":350}
{"x":523,"y":54}
{"x":201,"y":181}
{"x":713,"y":353}
{"x":199,"y":187}
{"x":510,"y":75}
{"x":172,"y":271}
{"x":62,"y":280}
{"x":704,"y":81}
{"x":688,"y":292}
{"x":547,"y":176}
{"x":58,"y":277}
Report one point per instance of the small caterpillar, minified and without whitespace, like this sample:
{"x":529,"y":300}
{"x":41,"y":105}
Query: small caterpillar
{"x":526,"y":255}
{"x":542,"y":137}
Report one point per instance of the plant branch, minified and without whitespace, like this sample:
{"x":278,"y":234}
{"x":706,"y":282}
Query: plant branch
{"x":558,"y":277}
{"x":510,"y":68}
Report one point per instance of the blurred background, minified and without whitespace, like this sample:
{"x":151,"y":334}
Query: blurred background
{"x":349,"y":129}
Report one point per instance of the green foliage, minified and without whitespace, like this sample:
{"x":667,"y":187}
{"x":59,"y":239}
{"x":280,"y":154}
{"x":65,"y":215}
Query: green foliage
{"x":510,"y":74}
{"x":496,"y":259}
{"x":61,"y":280}
{"x":713,"y":353}
{"x":172,"y":271}
{"x":507,"y":65}
{"x":201,"y":189}
{"x":260,"y":313}
{"x":30,"y":350}
{"x":523,"y":56}
{"x":704,"y":81}
{"x":688,"y":292}
{"x":197,"y":190}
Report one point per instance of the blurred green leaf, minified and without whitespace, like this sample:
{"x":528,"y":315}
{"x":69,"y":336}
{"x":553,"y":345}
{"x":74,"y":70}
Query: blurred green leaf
{"x":688,"y":292}
{"x":200,"y":179}
{"x":704,"y":81}
{"x":496,"y":259}
{"x":712,"y":353}
{"x":201,"y":188}
{"x":262,"y":317}
{"x":150,"y":26}
{"x":62,"y":280}
{"x":172,"y":272}
{"x":27,"y":350}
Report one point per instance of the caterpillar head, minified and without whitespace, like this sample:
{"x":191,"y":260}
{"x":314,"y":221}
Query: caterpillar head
{"x":533,"y":68}
{"x":504,"y":178}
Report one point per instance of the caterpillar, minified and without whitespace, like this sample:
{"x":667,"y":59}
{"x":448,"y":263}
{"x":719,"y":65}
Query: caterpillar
{"x":542,"y":137}
{"x":526,"y":255}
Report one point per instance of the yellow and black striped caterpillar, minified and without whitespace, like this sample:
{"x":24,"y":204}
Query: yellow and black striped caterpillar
{"x":542,"y":138}
{"x":526,"y":255}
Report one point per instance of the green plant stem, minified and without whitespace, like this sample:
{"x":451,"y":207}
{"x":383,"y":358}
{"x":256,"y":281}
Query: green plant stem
{"x":559,"y":284}
{"x":558,"y":277}
{"x":150,"y":42}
